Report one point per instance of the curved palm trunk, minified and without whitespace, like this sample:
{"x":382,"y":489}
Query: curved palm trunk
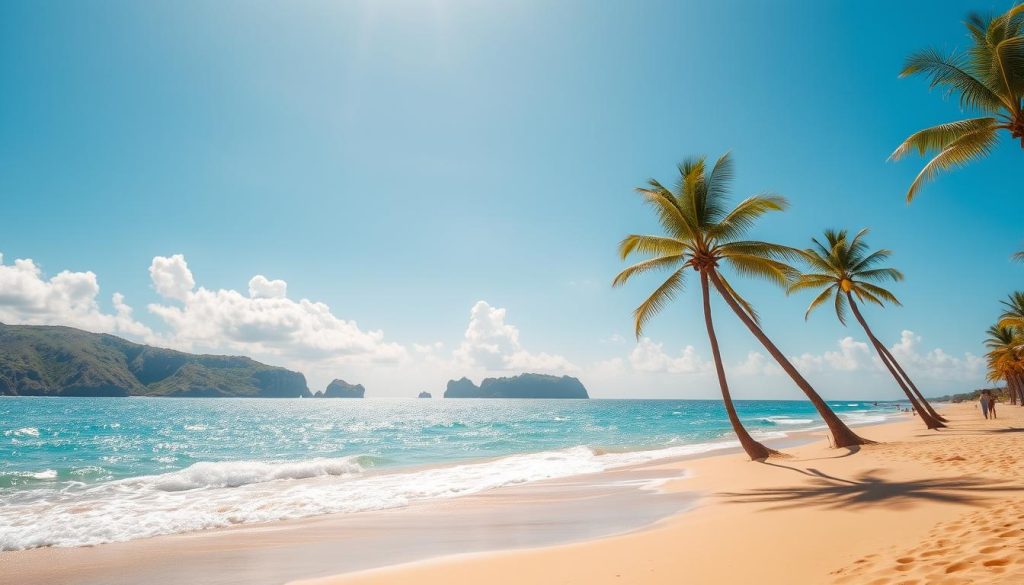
{"x":755,"y":450}
{"x":1015,"y":385}
{"x":928,"y":419}
{"x":842,"y":435}
{"x":920,"y":397}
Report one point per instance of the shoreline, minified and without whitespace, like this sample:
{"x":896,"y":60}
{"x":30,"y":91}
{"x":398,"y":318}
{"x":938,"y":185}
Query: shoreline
{"x":160,"y":502}
{"x":537,"y":508}
{"x":919,"y":507}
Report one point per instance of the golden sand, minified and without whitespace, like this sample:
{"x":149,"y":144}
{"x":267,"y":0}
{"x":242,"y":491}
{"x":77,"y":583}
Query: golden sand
{"x":922,"y":507}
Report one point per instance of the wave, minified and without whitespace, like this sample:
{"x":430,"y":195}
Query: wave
{"x":785,"y":420}
{"x":863,"y":419}
{"x":229,"y":474}
{"x":218,"y":494}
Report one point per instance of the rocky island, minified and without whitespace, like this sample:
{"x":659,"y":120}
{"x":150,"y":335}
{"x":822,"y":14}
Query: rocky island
{"x":341,"y":389}
{"x":522,"y":386}
{"x":38,"y":360}
{"x":424,"y":395}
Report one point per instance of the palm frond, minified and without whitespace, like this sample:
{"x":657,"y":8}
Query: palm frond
{"x":719,"y":182}
{"x":841,"y":307}
{"x":818,"y":262}
{"x":951,"y":71}
{"x":1009,"y":61}
{"x":870,"y":260}
{"x":743,"y":216}
{"x":961,"y":151}
{"x":806,"y":281}
{"x":657,"y":263}
{"x":878,"y":292}
{"x":879,"y":274}
{"x":670,"y":215}
{"x":661,"y":296}
{"x":864,"y":295}
{"x":762,"y":249}
{"x":820,"y":300}
{"x":744,"y":304}
{"x":939,"y":137}
{"x":774,"y":271}
{"x":649,"y":244}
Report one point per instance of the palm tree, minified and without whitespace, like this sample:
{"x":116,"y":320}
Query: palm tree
{"x":1006,"y":360}
{"x":1013,"y":316}
{"x":846,"y":270}
{"x":989,"y":78}
{"x":700,"y":232}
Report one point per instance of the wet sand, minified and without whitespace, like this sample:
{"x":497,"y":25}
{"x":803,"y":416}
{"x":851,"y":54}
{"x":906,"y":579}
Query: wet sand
{"x":922,"y":507}
{"x":539,"y":514}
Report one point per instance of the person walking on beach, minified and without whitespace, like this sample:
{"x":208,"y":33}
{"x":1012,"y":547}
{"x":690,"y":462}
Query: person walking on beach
{"x":992,"y":405}
{"x":984,"y":400}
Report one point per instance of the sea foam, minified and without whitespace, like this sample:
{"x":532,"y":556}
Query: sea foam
{"x":217,"y":494}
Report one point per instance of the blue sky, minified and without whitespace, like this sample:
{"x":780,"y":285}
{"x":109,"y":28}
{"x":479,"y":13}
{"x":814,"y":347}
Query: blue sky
{"x":401,"y":161}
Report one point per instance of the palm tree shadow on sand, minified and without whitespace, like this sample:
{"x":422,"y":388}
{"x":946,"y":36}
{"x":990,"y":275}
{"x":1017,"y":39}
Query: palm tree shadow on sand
{"x":871,"y":489}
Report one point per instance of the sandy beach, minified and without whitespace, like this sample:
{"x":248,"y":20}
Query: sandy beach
{"x":919,"y":507}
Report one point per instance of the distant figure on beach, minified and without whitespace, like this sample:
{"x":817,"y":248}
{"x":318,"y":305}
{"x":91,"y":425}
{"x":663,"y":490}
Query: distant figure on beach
{"x":985,"y":400}
{"x":992,"y":405}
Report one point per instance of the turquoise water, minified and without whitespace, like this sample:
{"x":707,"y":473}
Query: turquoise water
{"x":93,"y":470}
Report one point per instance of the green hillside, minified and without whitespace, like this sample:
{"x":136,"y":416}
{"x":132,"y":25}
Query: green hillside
{"x":63,"y":361}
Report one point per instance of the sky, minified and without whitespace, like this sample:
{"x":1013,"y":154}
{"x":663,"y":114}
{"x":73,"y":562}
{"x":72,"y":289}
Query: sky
{"x":401,"y":193}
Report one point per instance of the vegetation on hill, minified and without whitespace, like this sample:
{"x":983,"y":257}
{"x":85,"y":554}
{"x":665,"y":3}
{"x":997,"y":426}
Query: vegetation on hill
{"x":522,"y":386}
{"x":63,"y":361}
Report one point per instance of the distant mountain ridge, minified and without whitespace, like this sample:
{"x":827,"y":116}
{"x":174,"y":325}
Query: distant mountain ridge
{"x":522,"y":386}
{"x":38,"y":360}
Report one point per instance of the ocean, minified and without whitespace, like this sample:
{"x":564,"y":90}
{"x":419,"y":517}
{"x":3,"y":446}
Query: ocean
{"x":84,"y":471}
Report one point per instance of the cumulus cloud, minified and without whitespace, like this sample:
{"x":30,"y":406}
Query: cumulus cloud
{"x":68,"y":298}
{"x":935,"y":363}
{"x":492,"y":344}
{"x":264,"y":322}
{"x":852,"y":355}
{"x":757,"y":364}
{"x":650,"y":356}
{"x":262,"y":288}
{"x":171,"y":277}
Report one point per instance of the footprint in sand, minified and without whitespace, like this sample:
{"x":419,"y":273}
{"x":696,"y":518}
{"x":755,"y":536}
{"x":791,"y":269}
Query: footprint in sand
{"x":997,"y":562}
{"x":957,"y":566}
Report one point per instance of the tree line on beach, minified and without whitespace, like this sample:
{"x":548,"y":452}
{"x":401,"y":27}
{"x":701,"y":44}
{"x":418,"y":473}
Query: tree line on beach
{"x":702,"y":233}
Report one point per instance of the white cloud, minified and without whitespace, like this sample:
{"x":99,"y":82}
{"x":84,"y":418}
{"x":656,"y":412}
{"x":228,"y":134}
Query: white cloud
{"x":492,"y":344}
{"x":650,"y":356}
{"x":757,"y":364}
{"x":264,"y":322}
{"x":261,"y":288}
{"x":171,"y":277}
{"x":69,"y":298}
{"x":936,"y":363}
{"x":852,"y":355}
